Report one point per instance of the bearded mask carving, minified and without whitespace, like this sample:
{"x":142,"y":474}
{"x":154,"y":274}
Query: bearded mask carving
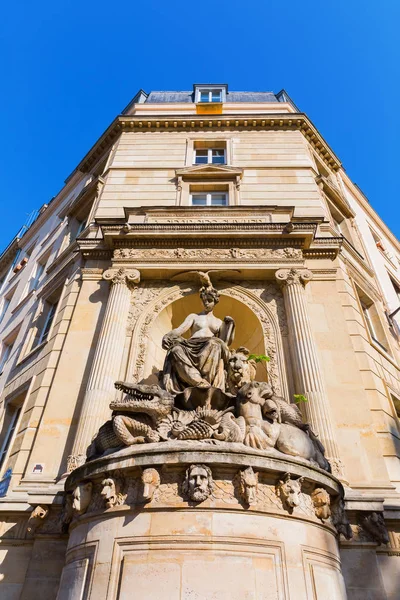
{"x":198,"y":483}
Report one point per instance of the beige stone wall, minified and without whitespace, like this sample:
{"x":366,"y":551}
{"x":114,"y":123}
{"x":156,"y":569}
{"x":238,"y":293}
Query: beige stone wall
{"x":278,"y":169}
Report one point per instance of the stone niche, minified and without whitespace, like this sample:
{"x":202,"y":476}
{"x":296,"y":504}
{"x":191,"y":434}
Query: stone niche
{"x":248,"y":333}
{"x":145,"y":532}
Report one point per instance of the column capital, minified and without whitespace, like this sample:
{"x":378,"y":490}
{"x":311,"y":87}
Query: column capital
{"x":118,"y":276}
{"x":288,"y":277}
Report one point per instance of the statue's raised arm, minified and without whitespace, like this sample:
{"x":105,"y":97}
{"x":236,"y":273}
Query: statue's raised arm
{"x":199,"y":361}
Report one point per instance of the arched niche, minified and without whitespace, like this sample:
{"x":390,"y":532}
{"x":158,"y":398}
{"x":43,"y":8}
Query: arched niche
{"x":249,"y":331}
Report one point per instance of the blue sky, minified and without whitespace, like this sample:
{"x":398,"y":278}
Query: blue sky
{"x":69,"y":67}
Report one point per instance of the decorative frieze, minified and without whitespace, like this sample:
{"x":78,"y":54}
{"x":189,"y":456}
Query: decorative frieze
{"x":212,"y":255}
{"x":207,"y":484}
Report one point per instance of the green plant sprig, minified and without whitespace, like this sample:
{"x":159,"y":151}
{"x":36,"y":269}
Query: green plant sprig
{"x":298,"y":398}
{"x":258,"y":358}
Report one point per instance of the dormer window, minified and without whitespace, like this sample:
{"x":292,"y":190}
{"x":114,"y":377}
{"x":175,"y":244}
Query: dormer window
{"x":210,"y":93}
{"x":211,"y":96}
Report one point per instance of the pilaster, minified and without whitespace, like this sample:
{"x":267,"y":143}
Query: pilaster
{"x":307,"y":370}
{"x":106,"y":362}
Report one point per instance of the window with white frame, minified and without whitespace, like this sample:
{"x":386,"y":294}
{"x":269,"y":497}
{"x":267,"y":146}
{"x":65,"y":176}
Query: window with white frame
{"x":10,"y":424}
{"x":42,"y":324}
{"x":5,"y":355}
{"x":36,"y":276}
{"x":214,"y":156}
{"x":372,"y":320}
{"x":4,"y":307}
{"x":212,"y":95}
{"x":6,"y":303}
{"x":48,"y":314}
{"x":212,"y":198}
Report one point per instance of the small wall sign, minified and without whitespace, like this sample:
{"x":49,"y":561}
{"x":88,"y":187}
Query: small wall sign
{"x":38,"y":468}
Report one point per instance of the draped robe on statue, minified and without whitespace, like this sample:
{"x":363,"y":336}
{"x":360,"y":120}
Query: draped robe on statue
{"x":197,"y":361}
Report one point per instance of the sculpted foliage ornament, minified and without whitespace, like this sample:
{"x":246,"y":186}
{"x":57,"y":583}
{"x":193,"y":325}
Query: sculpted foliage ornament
{"x":122,"y":276}
{"x":293,"y":276}
{"x":271,"y":255}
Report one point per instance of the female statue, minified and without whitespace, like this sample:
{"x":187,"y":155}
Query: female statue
{"x":199,"y":361}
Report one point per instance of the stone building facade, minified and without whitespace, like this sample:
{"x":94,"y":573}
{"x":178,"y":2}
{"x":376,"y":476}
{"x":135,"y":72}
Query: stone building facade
{"x":220,"y":473}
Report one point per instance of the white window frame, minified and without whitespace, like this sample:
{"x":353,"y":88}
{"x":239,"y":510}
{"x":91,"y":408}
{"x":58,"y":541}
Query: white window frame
{"x":50,"y":315}
{"x":82,"y":226}
{"x":210,"y":90}
{"x":6,"y":445}
{"x":209,"y":156}
{"x":5,"y":355}
{"x":209,"y":198}
{"x":4,"y":307}
{"x":34,"y":280}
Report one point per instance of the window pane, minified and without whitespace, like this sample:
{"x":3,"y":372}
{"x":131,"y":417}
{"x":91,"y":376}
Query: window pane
{"x":199,"y":200}
{"x":9,"y":434}
{"x":218,"y":157}
{"x":201,"y":157}
{"x":5,"y":355}
{"x":216,"y":97}
{"x":82,"y":225}
{"x":218,"y":199}
{"x":204,"y":97}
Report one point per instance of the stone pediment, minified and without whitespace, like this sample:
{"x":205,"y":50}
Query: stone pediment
{"x":213,"y":172}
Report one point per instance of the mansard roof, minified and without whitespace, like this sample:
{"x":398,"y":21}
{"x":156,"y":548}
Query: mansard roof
{"x":188,"y":97}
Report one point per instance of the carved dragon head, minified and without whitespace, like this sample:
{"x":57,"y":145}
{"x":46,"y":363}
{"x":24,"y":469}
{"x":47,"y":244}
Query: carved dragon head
{"x":149,"y":399}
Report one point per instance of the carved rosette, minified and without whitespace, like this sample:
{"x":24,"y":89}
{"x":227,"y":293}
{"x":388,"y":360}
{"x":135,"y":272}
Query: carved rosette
{"x":122,"y":276}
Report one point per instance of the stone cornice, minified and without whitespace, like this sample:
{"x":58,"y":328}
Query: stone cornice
{"x":256,"y":122}
{"x":9,"y":254}
{"x":181,"y":230}
{"x":333,"y":192}
{"x":209,"y":172}
{"x":86,"y":194}
{"x":262,"y":245}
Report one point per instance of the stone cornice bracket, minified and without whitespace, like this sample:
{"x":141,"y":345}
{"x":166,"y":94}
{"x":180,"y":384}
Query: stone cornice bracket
{"x":293,"y":276}
{"x":122,"y":276}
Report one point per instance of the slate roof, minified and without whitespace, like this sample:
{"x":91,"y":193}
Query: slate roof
{"x":160,"y":97}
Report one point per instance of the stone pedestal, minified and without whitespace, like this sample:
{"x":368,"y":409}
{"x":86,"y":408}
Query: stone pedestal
{"x":106,"y":362}
{"x":143,"y":535}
